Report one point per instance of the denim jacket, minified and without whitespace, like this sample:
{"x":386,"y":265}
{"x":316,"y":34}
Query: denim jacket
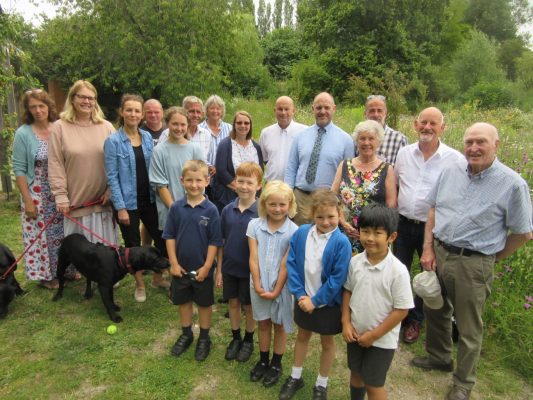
{"x":120,"y":168}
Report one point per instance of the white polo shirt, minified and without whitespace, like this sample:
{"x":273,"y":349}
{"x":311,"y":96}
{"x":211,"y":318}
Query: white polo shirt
{"x":275,"y":145}
{"x":376,"y":291}
{"x":415,"y":177}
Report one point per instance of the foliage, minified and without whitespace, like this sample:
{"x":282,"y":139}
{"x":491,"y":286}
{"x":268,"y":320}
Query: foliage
{"x":524,"y":69}
{"x":508,"y":53}
{"x":492,"y":17}
{"x":308,"y":78}
{"x":490,"y":95}
{"x":277,"y":15}
{"x":288,"y":12}
{"x":283,"y":48}
{"x":263,"y":18}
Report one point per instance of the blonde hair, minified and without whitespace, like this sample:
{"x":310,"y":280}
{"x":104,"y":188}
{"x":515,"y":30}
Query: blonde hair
{"x":195,"y":166}
{"x":276,"y":187}
{"x":324,"y":198}
{"x":69,"y":113}
{"x":175,"y":110}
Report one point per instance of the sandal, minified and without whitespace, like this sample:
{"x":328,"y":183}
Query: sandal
{"x":76,"y":276}
{"x":51,"y":284}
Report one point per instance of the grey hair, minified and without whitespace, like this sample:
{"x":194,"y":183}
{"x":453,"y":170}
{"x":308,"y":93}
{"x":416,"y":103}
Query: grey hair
{"x":215,"y":100}
{"x":188,"y":100}
{"x":369,"y":126}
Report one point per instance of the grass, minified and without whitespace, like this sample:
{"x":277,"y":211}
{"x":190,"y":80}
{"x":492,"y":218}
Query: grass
{"x":61,"y":350}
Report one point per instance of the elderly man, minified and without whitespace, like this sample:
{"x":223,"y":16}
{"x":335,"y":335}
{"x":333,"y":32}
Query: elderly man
{"x":480,"y":213}
{"x":315,"y":154}
{"x":153,"y":119}
{"x":276,"y":139}
{"x":376,"y":109}
{"x":417,"y":168}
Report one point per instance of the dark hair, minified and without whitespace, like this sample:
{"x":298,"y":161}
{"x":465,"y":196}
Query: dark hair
{"x":247,"y":115}
{"x":377,"y":215}
{"x":41,"y":95}
{"x":128,"y":97}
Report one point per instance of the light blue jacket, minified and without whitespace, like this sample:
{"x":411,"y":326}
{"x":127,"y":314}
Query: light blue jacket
{"x":121,"y":170}
{"x":25,"y":148}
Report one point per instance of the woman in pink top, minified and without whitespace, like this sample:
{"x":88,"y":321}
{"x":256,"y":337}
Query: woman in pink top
{"x":76,"y":164}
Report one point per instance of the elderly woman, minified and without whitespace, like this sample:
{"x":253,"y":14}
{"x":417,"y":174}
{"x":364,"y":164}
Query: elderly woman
{"x":76,"y":164}
{"x":233,"y":151}
{"x":30,"y":164}
{"x":364,"y":179}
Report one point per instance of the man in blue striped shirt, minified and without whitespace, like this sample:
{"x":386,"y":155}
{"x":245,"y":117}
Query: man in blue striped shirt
{"x":480,"y":214}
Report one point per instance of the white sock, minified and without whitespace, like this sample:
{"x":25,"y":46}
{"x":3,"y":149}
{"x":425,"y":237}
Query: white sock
{"x":296,"y":372}
{"x":321,"y":381}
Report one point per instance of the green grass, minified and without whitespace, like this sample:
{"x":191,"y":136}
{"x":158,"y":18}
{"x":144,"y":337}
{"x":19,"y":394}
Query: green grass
{"x":61,"y":350}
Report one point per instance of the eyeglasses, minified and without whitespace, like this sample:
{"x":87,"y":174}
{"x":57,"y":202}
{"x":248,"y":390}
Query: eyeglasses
{"x":83,"y":98}
{"x":376,"y":96}
{"x":31,"y":91}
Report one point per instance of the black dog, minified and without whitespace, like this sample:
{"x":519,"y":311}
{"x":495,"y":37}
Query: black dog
{"x":105,"y":266}
{"x":9,"y":287}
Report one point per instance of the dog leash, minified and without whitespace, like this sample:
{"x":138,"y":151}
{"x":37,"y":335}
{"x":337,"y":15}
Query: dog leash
{"x":76,"y":207}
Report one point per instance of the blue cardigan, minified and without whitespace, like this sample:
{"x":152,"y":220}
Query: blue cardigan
{"x":335,"y":265}
{"x":25,"y":148}
{"x":121,"y":170}
{"x":226,"y":172}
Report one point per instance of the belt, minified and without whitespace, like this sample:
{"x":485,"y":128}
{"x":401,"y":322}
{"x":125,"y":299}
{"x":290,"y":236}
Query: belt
{"x":411,"y":221}
{"x":458,"y":250}
{"x":303,"y":191}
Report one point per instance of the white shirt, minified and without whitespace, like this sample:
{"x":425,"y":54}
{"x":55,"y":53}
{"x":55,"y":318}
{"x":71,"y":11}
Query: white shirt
{"x":314,"y":248}
{"x":275,"y":145}
{"x":415,"y":177}
{"x":376,"y":291}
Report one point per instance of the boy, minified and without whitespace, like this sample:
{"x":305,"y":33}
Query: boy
{"x":192,"y":234}
{"x":376,"y":298}
{"x":233,"y":269}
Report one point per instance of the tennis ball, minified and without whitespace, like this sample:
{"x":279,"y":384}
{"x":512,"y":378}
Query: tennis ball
{"x":111,"y":329}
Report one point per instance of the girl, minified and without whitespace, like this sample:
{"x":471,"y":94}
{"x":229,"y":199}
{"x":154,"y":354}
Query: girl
{"x":168,"y":160}
{"x":127,"y":154}
{"x":317,"y":266}
{"x":268,"y":238}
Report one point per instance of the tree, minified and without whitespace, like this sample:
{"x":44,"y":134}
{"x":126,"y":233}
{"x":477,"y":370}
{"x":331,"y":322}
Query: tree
{"x":263,"y":18}
{"x":288,"y":11}
{"x":524,"y":69}
{"x":277,"y":16}
{"x":492,"y":17}
{"x":283,"y":48}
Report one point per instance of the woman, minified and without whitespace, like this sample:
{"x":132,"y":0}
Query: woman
{"x":233,"y":151}
{"x":76,"y":165}
{"x":30,"y":164}
{"x":364,"y":179}
{"x":127,"y":155}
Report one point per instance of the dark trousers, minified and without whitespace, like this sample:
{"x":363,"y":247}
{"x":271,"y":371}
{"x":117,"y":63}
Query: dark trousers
{"x":131,"y":233}
{"x":410,"y":239}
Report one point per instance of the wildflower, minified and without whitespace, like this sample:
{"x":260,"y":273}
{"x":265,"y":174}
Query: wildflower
{"x":529,"y":299}
{"x":527,"y":306}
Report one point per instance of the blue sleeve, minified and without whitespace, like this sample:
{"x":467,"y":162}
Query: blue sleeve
{"x":349,"y":149}
{"x":222,"y":160}
{"x":292,"y":164}
{"x":338,"y":274}
{"x":171,"y":226}
{"x":296,"y":279}
{"x":111,"y":171}
{"x":156,"y":172}
{"x":215,"y":236}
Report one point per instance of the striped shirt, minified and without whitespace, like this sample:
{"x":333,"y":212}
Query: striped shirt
{"x":225,"y":130}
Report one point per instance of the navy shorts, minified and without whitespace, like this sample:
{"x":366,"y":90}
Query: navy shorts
{"x":372,"y":363}
{"x":184,"y":290}
{"x":234,"y":287}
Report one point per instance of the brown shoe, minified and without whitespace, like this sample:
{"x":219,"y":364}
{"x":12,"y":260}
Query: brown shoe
{"x":427,"y":364}
{"x":458,"y":393}
{"x":411,"y":332}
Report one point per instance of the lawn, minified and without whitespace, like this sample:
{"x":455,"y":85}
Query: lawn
{"x":61,"y":350}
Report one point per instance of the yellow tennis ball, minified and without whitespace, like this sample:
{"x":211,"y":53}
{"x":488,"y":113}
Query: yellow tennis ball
{"x":111,"y":329}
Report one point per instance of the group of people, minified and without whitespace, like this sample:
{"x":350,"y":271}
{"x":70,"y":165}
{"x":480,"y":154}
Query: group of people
{"x":279,"y":221}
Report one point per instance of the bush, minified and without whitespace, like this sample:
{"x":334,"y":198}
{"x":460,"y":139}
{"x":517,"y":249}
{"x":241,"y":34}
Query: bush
{"x":308,"y":78}
{"x":490,"y":95}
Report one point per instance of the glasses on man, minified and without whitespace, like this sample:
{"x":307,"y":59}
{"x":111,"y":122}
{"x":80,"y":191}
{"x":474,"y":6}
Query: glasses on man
{"x":84,"y":98}
{"x":376,"y":96}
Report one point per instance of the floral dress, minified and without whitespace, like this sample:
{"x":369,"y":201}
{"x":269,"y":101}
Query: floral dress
{"x":41,"y":260}
{"x":357,"y":189}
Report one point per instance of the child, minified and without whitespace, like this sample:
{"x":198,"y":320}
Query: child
{"x":168,"y":160}
{"x":233,"y":270}
{"x":268,"y":238}
{"x":317,"y":266}
{"x":193,"y":235}
{"x":376,"y":298}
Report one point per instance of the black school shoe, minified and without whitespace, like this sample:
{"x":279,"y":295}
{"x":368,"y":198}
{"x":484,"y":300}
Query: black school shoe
{"x":290,"y":387}
{"x":320,"y":393}
{"x":258,"y":371}
{"x":233,"y":349}
{"x":203,"y":346}
{"x":272,"y":376}
{"x":181,"y":345}
{"x":245,"y":352}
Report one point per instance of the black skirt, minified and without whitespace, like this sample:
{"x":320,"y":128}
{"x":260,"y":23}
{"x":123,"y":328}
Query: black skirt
{"x":324,"y":321}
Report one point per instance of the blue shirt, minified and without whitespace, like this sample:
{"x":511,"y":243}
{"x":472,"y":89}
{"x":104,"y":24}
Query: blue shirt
{"x":337,"y":145}
{"x":121,"y":170}
{"x":194,"y":229}
{"x":233,"y":225}
{"x":477,"y":211}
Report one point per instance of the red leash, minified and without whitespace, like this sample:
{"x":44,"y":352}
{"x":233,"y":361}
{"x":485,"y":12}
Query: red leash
{"x":82,"y":205}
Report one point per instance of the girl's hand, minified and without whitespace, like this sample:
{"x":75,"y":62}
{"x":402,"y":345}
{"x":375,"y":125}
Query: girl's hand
{"x":349,"y":333}
{"x":30,"y":210}
{"x":258,"y":289}
{"x":63,"y":208}
{"x":123,"y":217}
{"x":306,"y":304}
{"x":366,"y":339}
{"x":176,"y":270}
{"x":105,"y":197}
{"x":268,"y":295}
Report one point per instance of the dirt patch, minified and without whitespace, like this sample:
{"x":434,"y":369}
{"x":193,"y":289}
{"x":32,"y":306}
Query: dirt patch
{"x":88,"y":391}
{"x":206,"y":389}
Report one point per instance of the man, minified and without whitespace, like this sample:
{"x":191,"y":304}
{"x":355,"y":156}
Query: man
{"x":376,"y":109}
{"x":276,"y":139}
{"x":315,"y":155}
{"x":479,"y":214}
{"x":153,"y":119}
{"x":417,"y":168}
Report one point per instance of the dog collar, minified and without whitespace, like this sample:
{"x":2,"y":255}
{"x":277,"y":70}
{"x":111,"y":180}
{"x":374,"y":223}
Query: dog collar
{"x":126,"y":263}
